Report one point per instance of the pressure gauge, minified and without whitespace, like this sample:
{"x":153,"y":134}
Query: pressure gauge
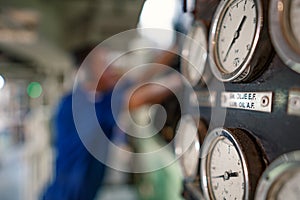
{"x":195,"y":53}
{"x":187,"y":146}
{"x":281,"y":179}
{"x":285,"y":28}
{"x":239,"y":46}
{"x":231,"y":163}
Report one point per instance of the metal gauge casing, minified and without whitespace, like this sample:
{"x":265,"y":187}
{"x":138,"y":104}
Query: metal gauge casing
{"x":231,"y":164}
{"x":204,"y":9}
{"x":187,"y":146}
{"x":284,"y":17}
{"x":239,"y":46}
{"x":195,"y":53}
{"x":281,"y":179}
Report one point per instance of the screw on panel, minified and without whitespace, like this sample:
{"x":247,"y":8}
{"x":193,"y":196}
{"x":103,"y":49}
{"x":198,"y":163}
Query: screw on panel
{"x":264,"y":101}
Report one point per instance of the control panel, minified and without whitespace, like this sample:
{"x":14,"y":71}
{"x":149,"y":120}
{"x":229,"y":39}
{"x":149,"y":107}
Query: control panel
{"x":244,"y":66}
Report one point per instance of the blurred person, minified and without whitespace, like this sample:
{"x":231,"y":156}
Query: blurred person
{"x":78,"y":174}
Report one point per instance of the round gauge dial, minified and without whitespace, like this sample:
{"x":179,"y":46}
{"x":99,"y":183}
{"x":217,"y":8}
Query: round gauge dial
{"x":236,"y":35}
{"x":285,"y":27}
{"x":187,"y":146}
{"x":231,"y":163}
{"x":195,"y":53}
{"x":236,"y":38}
{"x":281,"y":179}
{"x":233,"y":178}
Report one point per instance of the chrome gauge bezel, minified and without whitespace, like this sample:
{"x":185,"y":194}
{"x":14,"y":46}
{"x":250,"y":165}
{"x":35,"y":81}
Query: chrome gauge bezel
{"x":277,"y":174}
{"x":181,"y":150}
{"x":209,"y":143}
{"x":282,"y":36}
{"x":251,"y":155}
{"x":198,"y":27}
{"x":259,"y":50}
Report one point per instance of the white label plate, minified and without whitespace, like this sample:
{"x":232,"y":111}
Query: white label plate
{"x":255,"y":101}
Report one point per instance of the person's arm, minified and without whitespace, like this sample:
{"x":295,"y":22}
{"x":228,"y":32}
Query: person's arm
{"x":163,"y":62}
{"x":153,"y":93}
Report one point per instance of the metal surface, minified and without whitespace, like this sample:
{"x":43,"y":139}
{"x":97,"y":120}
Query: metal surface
{"x":279,"y":173}
{"x":203,"y":98}
{"x":207,"y":149}
{"x":187,"y":146}
{"x":249,"y":155}
{"x":195,"y":53}
{"x":204,"y":9}
{"x":259,"y":50}
{"x":255,"y":101}
{"x":284,"y":41}
{"x":275,"y":132}
{"x":294,"y":102}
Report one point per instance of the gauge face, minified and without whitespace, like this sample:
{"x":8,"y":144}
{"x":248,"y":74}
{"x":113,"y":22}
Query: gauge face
{"x":187,"y":146}
{"x":238,"y":40}
{"x":236,"y":35}
{"x":281,"y":179}
{"x":195,"y":52}
{"x":224,"y":166}
{"x":226,"y":158}
{"x":284,"y":17}
{"x":226,"y":171}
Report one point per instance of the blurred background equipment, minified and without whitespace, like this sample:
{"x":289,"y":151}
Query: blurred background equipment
{"x":36,"y":68}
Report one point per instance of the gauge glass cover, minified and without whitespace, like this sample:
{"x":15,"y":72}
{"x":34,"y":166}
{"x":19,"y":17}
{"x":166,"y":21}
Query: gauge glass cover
{"x":236,"y":34}
{"x":226,"y":171}
{"x":281,"y":179}
{"x":188,"y":150}
{"x":195,"y":53}
{"x":284,"y":20}
{"x":223,"y":167}
{"x":239,"y":46}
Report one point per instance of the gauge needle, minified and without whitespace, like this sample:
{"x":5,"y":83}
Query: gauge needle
{"x":236,"y":36}
{"x":227,"y":175}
